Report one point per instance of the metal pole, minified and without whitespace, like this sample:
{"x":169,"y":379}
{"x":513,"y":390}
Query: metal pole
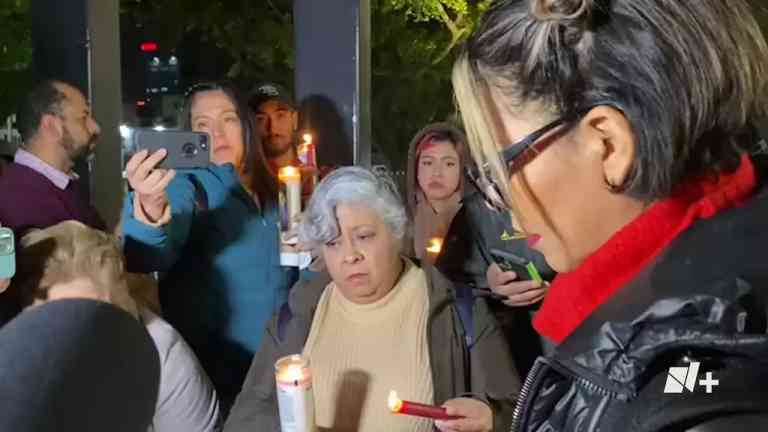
{"x":105,"y":87}
{"x":333,"y":77}
{"x":79,"y":41}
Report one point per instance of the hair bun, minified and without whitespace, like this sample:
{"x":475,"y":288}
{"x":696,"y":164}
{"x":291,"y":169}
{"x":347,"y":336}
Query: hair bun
{"x":558,"y":10}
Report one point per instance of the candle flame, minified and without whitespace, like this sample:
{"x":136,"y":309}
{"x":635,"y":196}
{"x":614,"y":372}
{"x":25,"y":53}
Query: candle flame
{"x":307,"y":138}
{"x":288,"y":172}
{"x":291,"y":373}
{"x":294,"y":372}
{"x":393,"y":402}
{"x":435,"y":245}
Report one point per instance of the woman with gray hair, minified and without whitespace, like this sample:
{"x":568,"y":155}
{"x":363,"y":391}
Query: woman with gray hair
{"x":381,"y":323}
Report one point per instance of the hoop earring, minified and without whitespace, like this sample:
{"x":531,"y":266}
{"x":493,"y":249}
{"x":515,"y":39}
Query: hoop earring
{"x":613,"y":188}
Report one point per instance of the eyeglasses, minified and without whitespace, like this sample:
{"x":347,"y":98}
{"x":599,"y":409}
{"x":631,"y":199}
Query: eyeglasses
{"x":515,"y":157}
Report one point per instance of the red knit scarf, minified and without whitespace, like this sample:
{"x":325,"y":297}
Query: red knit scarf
{"x":573,"y":296}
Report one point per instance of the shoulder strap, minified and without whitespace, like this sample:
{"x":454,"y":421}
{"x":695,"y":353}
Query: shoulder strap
{"x":283,"y":317}
{"x":463,"y":299}
{"x":465,"y":302}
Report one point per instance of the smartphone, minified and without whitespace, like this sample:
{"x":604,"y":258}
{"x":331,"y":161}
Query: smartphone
{"x":525,"y":269}
{"x":186,"y":149}
{"x":7,"y":254}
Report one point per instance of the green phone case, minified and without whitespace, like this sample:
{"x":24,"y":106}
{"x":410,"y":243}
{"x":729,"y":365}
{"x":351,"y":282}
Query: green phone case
{"x":510,"y":262}
{"x":7,"y":254}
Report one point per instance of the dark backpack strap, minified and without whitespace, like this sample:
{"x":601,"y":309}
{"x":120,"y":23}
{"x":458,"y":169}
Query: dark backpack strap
{"x":465,"y":302}
{"x":283,"y":317}
{"x":201,"y":197}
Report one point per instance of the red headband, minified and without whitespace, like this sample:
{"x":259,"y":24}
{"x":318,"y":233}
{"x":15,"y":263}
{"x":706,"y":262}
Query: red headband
{"x":428,"y":141}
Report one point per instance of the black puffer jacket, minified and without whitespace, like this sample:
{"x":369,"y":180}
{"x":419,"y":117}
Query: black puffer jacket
{"x":702,"y":300}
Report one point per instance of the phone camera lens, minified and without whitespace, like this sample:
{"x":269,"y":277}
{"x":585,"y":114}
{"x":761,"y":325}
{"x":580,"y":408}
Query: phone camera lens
{"x":189,"y":150}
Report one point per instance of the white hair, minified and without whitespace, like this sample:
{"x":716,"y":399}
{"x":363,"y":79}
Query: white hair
{"x":350,"y":185}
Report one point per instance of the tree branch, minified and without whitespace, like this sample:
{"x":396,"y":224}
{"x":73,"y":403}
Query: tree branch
{"x":455,"y":39}
{"x":456,"y":32}
{"x":277,"y":11}
{"x":447,"y":20}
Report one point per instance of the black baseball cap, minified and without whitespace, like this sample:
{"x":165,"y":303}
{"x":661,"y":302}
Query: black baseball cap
{"x":269,"y":91}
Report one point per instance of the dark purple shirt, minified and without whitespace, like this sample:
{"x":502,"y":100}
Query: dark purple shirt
{"x":29,"y":199}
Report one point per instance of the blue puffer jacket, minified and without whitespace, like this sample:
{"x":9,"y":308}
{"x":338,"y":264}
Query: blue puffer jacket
{"x":222,"y":278}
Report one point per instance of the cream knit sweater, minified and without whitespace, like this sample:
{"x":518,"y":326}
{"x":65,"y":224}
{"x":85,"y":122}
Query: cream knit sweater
{"x":358,"y":353}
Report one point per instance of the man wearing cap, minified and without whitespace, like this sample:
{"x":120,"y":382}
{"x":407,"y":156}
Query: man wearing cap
{"x":277,"y":122}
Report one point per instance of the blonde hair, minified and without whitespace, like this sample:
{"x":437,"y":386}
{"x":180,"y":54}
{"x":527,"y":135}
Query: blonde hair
{"x":472,"y":99}
{"x":68,"y":251}
{"x":691,"y":77}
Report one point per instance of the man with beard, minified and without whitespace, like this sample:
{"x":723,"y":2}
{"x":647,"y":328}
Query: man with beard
{"x":40,"y":189}
{"x":276,"y":124}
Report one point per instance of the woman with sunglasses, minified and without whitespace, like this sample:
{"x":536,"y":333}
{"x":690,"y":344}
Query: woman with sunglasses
{"x":620,"y":135}
{"x":213,"y":233}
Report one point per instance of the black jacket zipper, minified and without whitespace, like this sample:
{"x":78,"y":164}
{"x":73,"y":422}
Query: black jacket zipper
{"x":598,"y":389}
{"x":532,"y":381}
{"x":523,"y":399}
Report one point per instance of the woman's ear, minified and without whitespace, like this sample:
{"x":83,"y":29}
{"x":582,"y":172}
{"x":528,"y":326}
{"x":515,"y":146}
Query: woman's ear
{"x":608,"y":136}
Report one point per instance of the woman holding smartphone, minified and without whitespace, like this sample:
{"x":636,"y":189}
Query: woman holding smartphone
{"x":220,"y":261}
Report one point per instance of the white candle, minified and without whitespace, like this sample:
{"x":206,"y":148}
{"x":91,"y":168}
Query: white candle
{"x":295,"y":399}
{"x":306,"y":152}
{"x":291,"y":176}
